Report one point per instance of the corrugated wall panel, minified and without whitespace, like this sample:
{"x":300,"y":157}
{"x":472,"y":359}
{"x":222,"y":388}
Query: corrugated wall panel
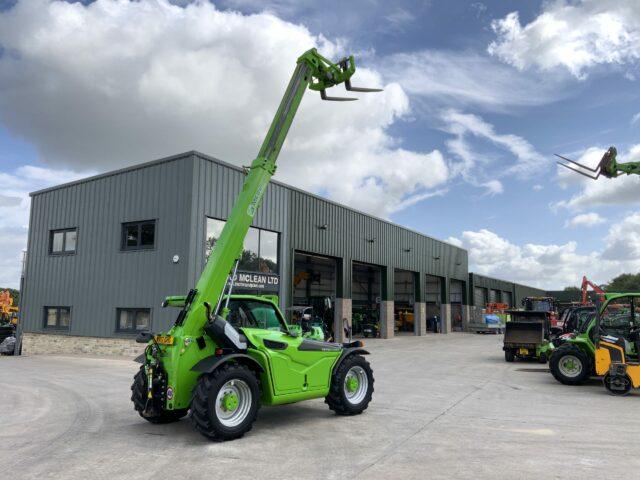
{"x":99,"y":277}
{"x":215,"y":187}
{"x":516,"y":291}
{"x":348,"y":233}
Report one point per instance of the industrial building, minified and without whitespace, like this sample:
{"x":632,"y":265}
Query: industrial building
{"x":103,"y":253}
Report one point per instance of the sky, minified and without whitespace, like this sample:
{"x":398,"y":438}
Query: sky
{"x":478,"y":96}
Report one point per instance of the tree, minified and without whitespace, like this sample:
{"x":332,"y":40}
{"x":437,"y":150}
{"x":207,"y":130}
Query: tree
{"x":627,"y":282}
{"x":571,"y":289}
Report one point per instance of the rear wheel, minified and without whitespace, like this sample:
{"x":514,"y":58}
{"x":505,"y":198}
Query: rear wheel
{"x":509,"y":355}
{"x":570,"y":365}
{"x":225,"y":403}
{"x":351,"y":386}
{"x":617,"y":385}
{"x":151,"y":413}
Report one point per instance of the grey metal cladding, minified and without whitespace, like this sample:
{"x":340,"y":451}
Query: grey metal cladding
{"x":517,"y":290}
{"x":359,"y":237}
{"x":100,"y":277}
{"x":179,"y":192}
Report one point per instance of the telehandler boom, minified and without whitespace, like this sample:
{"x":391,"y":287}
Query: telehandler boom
{"x":607,"y":167}
{"x":227,"y":354}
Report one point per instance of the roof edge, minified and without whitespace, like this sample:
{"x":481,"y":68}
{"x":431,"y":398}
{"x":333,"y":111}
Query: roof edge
{"x":204,"y":156}
{"x":119,"y":171}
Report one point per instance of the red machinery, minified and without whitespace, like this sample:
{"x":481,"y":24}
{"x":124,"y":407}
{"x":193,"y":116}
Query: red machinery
{"x":586,"y":283}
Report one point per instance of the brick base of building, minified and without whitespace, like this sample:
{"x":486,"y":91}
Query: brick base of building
{"x":52,"y":344}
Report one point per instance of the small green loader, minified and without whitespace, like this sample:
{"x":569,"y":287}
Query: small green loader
{"x":227,"y":354}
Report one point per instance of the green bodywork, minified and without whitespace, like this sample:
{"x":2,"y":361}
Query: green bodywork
{"x":612,"y":168}
{"x":289,"y":374}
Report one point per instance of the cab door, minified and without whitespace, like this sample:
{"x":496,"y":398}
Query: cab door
{"x":297,"y":364}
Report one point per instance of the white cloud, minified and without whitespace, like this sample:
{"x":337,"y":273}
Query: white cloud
{"x":466,"y":78}
{"x":115,"y":82}
{"x":585,"y":220}
{"x":465,"y":127}
{"x":552,"y":266}
{"x":14,"y":213}
{"x":622,"y":190}
{"x":623,"y":240}
{"x":494,"y":187}
{"x":537,"y":187}
{"x":635,"y":118}
{"x":574,"y":35}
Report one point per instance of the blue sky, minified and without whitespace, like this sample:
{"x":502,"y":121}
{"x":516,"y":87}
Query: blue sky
{"x":478,"y":96}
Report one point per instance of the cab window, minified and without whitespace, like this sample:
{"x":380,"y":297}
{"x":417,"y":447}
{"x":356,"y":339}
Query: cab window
{"x":619,"y":317}
{"x":254,"y":314}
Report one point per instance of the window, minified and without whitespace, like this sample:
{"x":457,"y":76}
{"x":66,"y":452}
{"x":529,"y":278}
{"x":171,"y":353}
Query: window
{"x":138,"y":235}
{"x":57,"y":317}
{"x":132,"y":320}
{"x":619,"y":318}
{"x":63,"y":242}
{"x":259,"y":252}
{"x":254,"y":314}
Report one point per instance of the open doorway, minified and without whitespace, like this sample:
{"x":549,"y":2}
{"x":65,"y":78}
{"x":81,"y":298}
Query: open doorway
{"x":366,"y":290}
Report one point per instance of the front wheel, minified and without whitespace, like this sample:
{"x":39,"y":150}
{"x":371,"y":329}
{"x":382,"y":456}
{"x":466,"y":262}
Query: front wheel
{"x":351,"y":386}
{"x":151,"y":413}
{"x":570,"y":365}
{"x":225,"y":403}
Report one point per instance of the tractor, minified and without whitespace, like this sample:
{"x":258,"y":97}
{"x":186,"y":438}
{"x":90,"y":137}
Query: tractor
{"x":228,"y":354}
{"x":529,"y":333}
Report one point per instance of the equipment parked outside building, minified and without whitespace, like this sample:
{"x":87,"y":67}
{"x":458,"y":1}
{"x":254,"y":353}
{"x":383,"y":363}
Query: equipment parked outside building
{"x":226,"y":354}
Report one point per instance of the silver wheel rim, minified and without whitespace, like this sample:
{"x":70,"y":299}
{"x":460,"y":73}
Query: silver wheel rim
{"x":356,"y":396}
{"x":570,"y":366}
{"x":233,"y":417}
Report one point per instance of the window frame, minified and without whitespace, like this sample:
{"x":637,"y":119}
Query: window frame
{"x":244,"y":303}
{"x":139,"y":223}
{"x":57,"y":326}
{"x":64,"y":232}
{"x":259,"y":252}
{"x":135,"y":310}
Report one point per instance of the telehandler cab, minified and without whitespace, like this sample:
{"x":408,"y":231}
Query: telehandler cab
{"x":226,"y":354}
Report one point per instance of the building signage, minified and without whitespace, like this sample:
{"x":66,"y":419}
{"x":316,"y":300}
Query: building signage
{"x":268,"y":282}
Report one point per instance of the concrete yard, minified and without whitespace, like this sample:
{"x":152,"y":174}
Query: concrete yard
{"x":445,"y":406}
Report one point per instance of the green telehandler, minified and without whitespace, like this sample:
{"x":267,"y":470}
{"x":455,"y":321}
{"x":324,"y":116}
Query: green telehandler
{"x":227,"y":354}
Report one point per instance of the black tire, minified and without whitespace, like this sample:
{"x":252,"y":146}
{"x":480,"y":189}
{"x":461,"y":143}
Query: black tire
{"x":542,"y":358}
{"x":337,"y":399}
{"x":509,"y":355}
{"x":560,"y":372}
{"x":139,"y":399}
{"x":618,"y":386}
{"x":203,"y":412}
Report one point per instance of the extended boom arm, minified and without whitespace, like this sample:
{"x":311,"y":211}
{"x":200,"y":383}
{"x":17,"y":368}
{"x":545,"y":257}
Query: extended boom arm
{"x":607,"y":167}
{"x":315,"y":72}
